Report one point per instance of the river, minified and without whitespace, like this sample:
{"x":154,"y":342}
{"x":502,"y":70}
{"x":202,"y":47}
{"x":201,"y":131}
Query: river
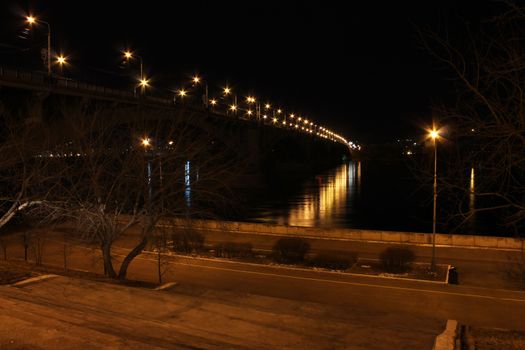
{"x":359,"y":194}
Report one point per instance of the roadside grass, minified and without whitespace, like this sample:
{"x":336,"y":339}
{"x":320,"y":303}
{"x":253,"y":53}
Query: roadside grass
{"x":497,"y":339}
{"x":343,"y":262}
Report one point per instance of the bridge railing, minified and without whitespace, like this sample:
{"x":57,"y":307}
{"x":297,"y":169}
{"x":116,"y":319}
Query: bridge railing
{"x":43,"y":81}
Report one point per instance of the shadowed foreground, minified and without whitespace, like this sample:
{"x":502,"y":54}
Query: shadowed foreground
{"x":66,"y":313}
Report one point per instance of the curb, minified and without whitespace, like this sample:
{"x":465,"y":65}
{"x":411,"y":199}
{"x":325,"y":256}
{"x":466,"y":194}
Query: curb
{"x":447,"y":339}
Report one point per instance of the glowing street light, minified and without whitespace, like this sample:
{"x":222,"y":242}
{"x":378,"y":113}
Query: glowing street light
{"x":182,"y":93}
{"x":146,"y":142}
{"x":143,"y":83}
{"x":128,"y":55}
{"x":228,"y":91}
{"x":61,"y":60}
{"x":198,"y":80}
{"x":33,"y":20}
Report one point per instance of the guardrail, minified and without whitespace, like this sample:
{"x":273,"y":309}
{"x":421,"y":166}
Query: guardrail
{"x":40,"y":79}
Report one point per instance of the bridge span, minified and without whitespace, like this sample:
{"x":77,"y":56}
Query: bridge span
{"x":274,"y":141}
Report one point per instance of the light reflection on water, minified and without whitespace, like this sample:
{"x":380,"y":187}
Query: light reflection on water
{"x":359,"y":195}
{"x":325,"y":201}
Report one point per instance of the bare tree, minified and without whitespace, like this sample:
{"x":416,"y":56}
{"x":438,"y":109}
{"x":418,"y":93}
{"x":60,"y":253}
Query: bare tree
{"x":121,"y":174}
{"x":486,"y":125}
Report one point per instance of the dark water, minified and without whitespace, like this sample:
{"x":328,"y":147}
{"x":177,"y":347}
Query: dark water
{"x":359,"y":194}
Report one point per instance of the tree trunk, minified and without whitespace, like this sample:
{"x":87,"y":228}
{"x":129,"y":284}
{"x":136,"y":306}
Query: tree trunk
{"x":129,"y":258}
{"x":106,"y":257}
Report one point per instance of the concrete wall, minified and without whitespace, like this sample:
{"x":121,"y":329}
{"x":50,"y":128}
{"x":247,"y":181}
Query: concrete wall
{"x":357,"y":234}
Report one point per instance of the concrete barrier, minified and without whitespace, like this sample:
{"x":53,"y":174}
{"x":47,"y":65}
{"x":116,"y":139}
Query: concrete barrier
{"x":447,"y":339}
{"x":355,"y":234}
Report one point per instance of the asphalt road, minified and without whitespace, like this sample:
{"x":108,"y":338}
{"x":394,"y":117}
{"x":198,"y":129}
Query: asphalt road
{"x":484,"y":307}
{"x":467,"y":303}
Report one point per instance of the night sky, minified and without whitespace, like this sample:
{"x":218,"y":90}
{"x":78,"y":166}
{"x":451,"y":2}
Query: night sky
{"x":358,"y":67}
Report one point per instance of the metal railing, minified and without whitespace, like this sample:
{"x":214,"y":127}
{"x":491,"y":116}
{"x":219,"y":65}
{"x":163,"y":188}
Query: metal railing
{"x":41,"y":80}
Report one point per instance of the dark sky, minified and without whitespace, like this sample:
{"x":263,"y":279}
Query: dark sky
{"x":357,"y":67}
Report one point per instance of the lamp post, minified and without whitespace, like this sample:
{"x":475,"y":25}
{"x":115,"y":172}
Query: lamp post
{"x":32,"y":20}
{"x":197,"y":80}
{"x":227,"y":91}
{"x":143,"y":82}
{"x":61,"y":61}
{"x":434,"y":135}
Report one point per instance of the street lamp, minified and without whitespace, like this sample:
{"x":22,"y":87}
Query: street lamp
{"x":143,"y":83}
{"x":198,"y":80}
{"x":227,"y":91}
{"x":434,"y":135}
{"x":128,"y":55}
{"x":146,"y":142}
{"x":32,"y":20}
{"x":61,"y":60}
